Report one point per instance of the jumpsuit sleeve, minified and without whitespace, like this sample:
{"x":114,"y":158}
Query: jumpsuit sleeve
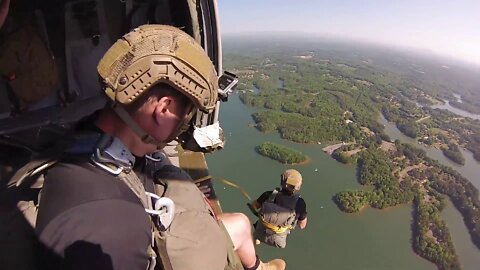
{"x":301,"y":209}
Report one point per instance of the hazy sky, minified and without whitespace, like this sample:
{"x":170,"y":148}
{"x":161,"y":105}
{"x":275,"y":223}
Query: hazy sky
{"x":447,"y":27}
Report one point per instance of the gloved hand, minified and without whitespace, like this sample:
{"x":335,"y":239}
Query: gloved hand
{"x":205,"y":187}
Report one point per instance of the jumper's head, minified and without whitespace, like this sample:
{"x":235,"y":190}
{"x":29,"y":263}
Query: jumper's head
{"x":291,"y":180}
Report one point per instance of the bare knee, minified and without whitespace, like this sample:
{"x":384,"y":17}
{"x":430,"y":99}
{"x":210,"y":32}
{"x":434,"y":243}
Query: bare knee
{"x":240,"y":219}
{"x":243,"y":221}
{"x":238,"y":227}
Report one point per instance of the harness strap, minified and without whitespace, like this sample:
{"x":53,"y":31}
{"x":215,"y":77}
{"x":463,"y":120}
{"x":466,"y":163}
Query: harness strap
{"x":276,"y":229}
{"x":273,"y":195}
{"x":272,"y":227}
{"x":40,"y":162}
{"x":153,"y":257}
{"x":31,"y":168}
{"x":161,"y":247}
{"x":134,"y":183}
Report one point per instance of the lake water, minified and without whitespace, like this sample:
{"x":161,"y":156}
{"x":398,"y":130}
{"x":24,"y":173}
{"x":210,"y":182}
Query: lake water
{"x":469,"y":254}
{"x":454,"y":110}
{"x":373,"y":239}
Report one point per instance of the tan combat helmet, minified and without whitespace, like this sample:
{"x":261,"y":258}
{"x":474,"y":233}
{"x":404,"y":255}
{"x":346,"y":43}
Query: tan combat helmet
{"x":153,"y":54}
{"x":291,"y":178}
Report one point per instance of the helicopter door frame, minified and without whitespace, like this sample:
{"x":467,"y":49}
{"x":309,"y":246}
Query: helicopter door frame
{"x":212,"y":45}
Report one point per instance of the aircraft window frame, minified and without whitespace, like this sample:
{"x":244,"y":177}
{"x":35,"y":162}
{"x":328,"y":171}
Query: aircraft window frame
{"x":71,"y":103}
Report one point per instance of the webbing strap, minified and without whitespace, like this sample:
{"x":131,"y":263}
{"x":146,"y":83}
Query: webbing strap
{"x":276,"y":229}
{"x":41,"y":162}
{"x":127,"y":118}
{"x":31,"y":168}
{"x":161,"y":244}
{"x":135,"y":184}
{"x":273,"y":195}
{"x":153,"y":258}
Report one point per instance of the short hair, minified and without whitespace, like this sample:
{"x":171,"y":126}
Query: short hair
{"x":155,"y":93}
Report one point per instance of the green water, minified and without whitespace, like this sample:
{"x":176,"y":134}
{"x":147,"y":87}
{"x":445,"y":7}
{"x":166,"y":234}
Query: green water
{"x":468,"y":253}
{"x":372,"y":239}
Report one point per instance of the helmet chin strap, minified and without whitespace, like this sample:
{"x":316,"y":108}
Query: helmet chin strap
{"x":128,"y":119}
{"x":144,"y":136}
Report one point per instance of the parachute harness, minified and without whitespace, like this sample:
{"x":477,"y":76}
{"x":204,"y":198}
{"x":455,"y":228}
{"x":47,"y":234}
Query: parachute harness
{"x":275,"y":228}
{"x":111,"y":155}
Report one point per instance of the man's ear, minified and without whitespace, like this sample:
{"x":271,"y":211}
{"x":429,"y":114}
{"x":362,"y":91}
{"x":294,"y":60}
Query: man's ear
{"x":163,"y":105}
{"x":162,"y":108}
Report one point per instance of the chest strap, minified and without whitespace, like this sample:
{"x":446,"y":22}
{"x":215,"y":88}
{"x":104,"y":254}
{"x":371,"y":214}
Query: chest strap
{"x":113,"y":156}
{"x":161,"y":210}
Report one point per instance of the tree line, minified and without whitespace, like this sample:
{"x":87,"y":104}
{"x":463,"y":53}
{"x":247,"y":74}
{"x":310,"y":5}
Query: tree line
{"x":280,"y":153}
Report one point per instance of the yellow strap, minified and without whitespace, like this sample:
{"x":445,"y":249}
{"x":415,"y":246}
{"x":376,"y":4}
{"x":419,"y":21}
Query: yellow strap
{"x":226,"y":182}
{"x":276,"y":229}
{"x":230,"y":183}
{"x":201,"y":179}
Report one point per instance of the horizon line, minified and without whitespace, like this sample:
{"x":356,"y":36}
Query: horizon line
{"x":339,"y":37}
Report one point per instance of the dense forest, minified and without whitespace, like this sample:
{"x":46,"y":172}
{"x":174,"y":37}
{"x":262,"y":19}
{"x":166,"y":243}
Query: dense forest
{"x":453,"y":152}
{"x":352,"y":201}
{"x":280,"y":153}
{"x":375,"y":170}
{"x":311,"y":93}
{"x":431,"y":237}
{"x":294,"y":116}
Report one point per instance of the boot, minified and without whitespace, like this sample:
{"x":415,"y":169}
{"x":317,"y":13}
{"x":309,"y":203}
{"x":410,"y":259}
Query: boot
{"x":277,"y":264}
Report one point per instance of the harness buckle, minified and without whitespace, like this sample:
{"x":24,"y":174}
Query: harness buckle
{"x":111,"y":151}
{"x":162,"y":208}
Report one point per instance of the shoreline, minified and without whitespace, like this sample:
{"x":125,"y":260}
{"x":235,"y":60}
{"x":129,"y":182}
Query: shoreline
{"x":306,"y":161}
{"x":386,"y":209}
{"x":331,"y":148}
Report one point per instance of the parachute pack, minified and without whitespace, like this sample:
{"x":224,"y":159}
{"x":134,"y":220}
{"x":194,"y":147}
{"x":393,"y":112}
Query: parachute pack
{"x":277,"y":217}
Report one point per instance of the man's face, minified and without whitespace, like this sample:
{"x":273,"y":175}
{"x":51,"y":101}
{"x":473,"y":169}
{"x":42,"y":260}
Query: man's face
{"x":164,"y":118}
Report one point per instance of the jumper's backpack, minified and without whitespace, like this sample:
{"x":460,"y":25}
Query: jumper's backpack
{"x":278,"y":211}
{"x":277,"y":217}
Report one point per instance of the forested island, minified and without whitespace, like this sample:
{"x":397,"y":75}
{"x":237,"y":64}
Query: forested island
{"x":280,"y":153}
{"x":310,"y":95}
{"x":453,"y":153}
